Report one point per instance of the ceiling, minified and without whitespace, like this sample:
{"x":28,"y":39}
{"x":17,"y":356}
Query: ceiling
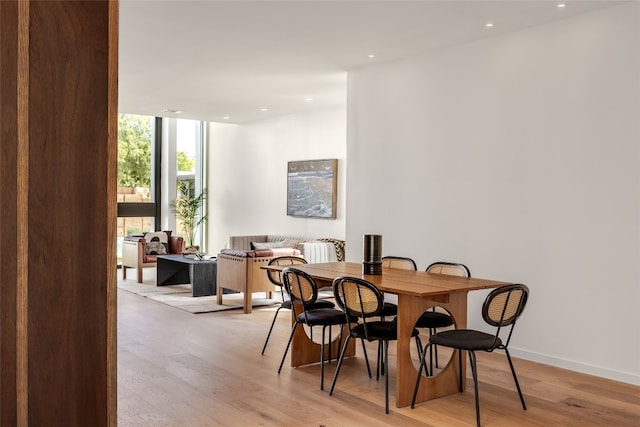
{"x":226,"y":61}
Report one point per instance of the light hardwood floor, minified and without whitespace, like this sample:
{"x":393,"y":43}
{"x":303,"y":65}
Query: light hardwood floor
{"x":182,"y":369}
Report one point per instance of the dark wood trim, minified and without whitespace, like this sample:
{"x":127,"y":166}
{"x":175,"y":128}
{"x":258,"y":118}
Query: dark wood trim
{"x":58,"y":81}
{"x":9,"y":23}
{"x":22,"y":225}
{"x":112,"y":182}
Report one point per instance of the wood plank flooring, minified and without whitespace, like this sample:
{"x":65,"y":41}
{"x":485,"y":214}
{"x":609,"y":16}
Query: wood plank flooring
{"x":182,"y":369}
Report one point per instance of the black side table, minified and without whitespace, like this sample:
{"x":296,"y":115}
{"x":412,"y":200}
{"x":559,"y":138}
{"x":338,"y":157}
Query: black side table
{"x":179,"y":269}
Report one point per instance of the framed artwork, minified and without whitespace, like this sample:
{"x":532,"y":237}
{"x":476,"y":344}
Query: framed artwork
{"x":311,"y":188}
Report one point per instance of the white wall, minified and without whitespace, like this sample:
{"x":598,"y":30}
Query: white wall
{"x":519,"y":156}
{"x":248,"y":174}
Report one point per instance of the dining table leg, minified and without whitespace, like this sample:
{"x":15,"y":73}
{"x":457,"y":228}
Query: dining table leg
{"x":447,"y":381}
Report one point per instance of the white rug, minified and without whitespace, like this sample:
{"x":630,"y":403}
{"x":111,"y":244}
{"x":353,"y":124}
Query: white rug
{"x":179,"y":296}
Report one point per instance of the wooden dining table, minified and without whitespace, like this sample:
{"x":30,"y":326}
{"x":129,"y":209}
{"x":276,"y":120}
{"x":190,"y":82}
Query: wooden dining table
{"x":417,"y":291}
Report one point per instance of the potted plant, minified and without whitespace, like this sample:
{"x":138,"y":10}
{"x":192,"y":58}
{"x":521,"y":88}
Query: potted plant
{"x":187,"y":206}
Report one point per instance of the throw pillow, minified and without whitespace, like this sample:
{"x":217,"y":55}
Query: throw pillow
{"x":159,"y":237}
{"x":155,"y":248}
{"x":266,"y":245}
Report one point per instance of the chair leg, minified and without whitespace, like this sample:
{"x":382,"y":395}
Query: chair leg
{"x":330,"y":335}
{"x":422,"y":365}
{"x":460,"y":378}
{"x":340,"y":359}
{"x":124,"y":272}
{"x":273,"y":322}
{"x":139,"y":274}
{"x":366,"y":358}
{"x":379,"y":363}
{"x":435,"y":352}
{"x":431,"y":330}
{"x":419,"y":345}
{"x":322,"y":356}
{"x":293,"y":330}
{"x":472,"y":359}
{"x":386,"y":377}
{"x":515,"y":378}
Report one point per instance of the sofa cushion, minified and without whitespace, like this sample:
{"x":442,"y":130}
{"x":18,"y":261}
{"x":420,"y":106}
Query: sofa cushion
{"x":244,"y":242}
{"x":267,"y":245}
{"x":274,"y":252}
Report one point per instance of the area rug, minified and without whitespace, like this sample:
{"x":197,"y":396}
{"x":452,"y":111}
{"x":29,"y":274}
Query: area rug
{"x":179,"y":296}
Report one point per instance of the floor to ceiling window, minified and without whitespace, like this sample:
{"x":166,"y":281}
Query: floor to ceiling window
{"x":189,"y":170}
{"x":136,"y":195}
{"x":153,"y":155}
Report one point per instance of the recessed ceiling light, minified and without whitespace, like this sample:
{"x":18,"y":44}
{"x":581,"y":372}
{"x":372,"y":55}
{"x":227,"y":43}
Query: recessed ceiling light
{"x":264,"y":109}
{"x":226,"y":117}
{"x":309,"y":99}
{"x":371,"y":56}
{"x":561,"y":5}
{"x":489,"y":24}
{"x":168,"y":110}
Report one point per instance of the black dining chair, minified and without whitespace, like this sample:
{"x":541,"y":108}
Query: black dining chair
{"x":275,"y":277}
{"x":401,"y":263}
{"x":361,"y":301}
{"x":390,"y":309}
{"x":302,"y":289}
{"x":502,"y":307}
{"x":432,"y":319}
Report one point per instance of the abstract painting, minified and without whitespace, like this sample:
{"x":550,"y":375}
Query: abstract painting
{"x":312,"y":187}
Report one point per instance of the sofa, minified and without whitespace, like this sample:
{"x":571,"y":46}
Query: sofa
{"x":240,"y":264}
{"x":140,"y":251}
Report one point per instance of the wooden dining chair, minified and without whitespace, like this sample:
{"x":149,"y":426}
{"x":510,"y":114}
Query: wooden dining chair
{"x":502,"y":307}
{"x":433,"y":319}
{"x":275,"y":277}
{"x":362,"y":301}
{"x":390,"y":309}
{"x":302,"y":289}
{"x":401,"y":263}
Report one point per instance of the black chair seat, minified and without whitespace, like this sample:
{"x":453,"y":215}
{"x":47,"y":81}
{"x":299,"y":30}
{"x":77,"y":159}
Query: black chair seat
{"x":379,"y":330}
{"x":433,"y":319}
{"x":389,"y":310}
{"x":466,"y":339}
{"x":313,"y":306}
{"x":322,"y":317}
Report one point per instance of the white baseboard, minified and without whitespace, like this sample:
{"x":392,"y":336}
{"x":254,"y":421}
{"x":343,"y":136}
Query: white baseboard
{"x":572,"y":365}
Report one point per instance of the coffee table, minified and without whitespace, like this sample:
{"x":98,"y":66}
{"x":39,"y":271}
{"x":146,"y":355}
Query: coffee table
{"x":180,"y":269}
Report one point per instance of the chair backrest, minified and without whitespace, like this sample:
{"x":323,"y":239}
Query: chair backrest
{"x":450,"y":268}
{"x":399,"y":262}
{"x":504,"y":305}
{"x":275,"y":277}
{"x":357,"y":297}
{"x":300,"y":286}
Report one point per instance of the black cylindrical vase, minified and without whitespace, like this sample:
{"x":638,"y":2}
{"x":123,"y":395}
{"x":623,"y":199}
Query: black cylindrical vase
{"x":372,"y":254}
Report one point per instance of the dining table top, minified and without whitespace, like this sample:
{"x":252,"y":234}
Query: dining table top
{"x":396,"y":281}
